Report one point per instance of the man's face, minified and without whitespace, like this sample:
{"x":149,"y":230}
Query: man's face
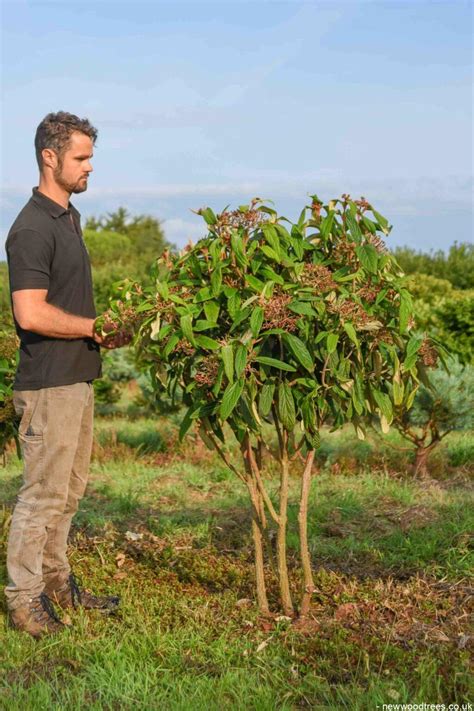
{"x":73,"y":168}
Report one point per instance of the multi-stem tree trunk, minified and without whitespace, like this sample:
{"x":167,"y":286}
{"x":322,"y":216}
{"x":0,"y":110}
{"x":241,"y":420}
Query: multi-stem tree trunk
{"x":259,"y":566}
{"x":308,"y":582}
{"x":282,"y":525}
{"x":263,"y":505}
{"x":259,"y":525}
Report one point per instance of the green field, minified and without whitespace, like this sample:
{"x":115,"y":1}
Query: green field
{"x":167,"y":527}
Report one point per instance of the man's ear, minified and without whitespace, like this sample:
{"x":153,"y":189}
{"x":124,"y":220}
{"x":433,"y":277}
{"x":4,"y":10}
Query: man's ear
{"x":50,"y":158}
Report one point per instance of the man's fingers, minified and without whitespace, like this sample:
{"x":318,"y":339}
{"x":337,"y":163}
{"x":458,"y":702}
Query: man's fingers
{"x":116,"y":341}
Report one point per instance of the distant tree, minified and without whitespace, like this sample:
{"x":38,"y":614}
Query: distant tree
{"x":145,"y":232}
{"x":457,"y":266}
{"x":442,"y":404}
{"x":122,"y":246}
{"x":444,"y":312}
{"x":106,"y":247}
{"x":456,"y":317}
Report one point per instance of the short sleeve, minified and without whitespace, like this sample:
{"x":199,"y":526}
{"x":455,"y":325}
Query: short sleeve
{"x":29,"y":255}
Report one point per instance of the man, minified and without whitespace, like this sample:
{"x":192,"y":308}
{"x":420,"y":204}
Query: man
{"x":53,"y":309}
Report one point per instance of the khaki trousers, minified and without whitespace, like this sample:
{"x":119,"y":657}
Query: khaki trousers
{"x":56,"y":442}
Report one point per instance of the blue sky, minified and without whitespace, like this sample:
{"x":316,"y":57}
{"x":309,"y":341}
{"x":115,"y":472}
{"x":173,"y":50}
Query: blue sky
{"x":214,"y":103}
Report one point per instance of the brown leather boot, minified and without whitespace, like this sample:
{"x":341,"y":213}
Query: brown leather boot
{"x":70,"y":595}
{"x":38,"y":617}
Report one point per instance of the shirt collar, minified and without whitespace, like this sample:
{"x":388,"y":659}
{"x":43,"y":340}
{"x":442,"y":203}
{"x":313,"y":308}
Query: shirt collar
{"x":54,"y":208}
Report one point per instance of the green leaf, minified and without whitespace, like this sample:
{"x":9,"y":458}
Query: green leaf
{"x":398,"y":388}
{"x":233,"y":304}
{"x":331,"y":342}
{"x":309,"y":415}
{"x":326,"y":225}
{"x":255,"y":283}
{"x":240,"y":359}
{"x":170,"y":346}
{"x":371,"y":226}
{"x":164,"y":331}
{"x":384,"y":403}
{"x":284,"y":234}
{"x":383,"y":222}
{"x":271,"y":236}
{"x":239,"y":316}
{"x":275,"y":363}
{"x":368,"y":257}
{"x":186,"y":327}
{"x":286,"y":406}
{"x":227,"y":355}
{"x":215,"y":251}
{"x":272,"y":276}
{"x":300,"y":351}
{"x":238,"y":249}
{"x":208,"y":215}
{"x":358,"y":396}
{"x":207,"y":343}
{"x":405,"y":312}
{"x":413,"y":346}
{"x":266,"y":398}
{"x":256,"y":320}
{"x":211,"y":309}
{"x":341,"y":275}
{"x":270,"y":253}
{"x":353,"y":227}
{"x":350,"y":330}
{"x":145,"y":306}
{"x":187,"y":422}
{"x":301,"y":307}
{"x":313,"y":439}
{"x":203,"y":325}
{"x":220,"y":375}
{"x":410,"y":397}
{"x":231,"y":397}
{"x":216,"y":281}
{"x":203,"y":294}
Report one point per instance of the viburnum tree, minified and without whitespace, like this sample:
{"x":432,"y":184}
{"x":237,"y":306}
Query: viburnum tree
{"x":268,"y":329}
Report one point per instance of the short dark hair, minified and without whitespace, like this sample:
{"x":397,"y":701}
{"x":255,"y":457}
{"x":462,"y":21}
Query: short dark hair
{"x":55,"y":132}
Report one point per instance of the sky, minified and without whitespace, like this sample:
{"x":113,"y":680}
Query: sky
{"x":201,"y":103}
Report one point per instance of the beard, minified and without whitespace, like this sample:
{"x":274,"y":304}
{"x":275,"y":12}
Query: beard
{"x":79,"y":186}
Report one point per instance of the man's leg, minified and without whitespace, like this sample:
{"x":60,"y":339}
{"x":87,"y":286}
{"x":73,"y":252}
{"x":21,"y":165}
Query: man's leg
{"x":51,"y":421}
{"x":56,"y":568}
{"x":60,"y":584}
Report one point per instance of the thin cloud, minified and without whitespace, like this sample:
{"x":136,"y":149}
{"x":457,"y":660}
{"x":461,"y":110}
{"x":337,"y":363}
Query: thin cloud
{"x":407,"y":196}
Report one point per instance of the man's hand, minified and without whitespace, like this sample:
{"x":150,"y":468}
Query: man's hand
{"x":114,"y":339}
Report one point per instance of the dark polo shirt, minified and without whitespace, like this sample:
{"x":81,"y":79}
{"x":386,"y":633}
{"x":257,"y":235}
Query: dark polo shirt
{"x":45,"y":250}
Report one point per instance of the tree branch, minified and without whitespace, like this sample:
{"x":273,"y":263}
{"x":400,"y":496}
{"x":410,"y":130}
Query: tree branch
{"x":258,"y":478}
{"x":223,"y":456}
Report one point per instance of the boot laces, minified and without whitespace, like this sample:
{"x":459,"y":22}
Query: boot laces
{"x":46,"y":607}
{"x":76,"y":594}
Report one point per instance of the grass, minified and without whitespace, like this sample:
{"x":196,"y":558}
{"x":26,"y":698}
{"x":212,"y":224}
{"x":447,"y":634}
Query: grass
{"x":167,"y":527}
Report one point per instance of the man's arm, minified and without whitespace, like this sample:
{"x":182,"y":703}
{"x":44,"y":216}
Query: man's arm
{"x":33,"y":313}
